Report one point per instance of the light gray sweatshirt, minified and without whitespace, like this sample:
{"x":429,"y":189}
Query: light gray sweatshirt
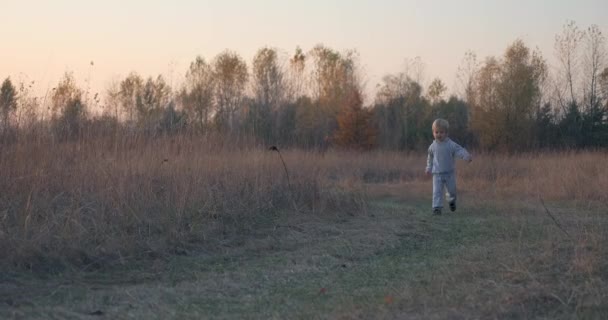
{"x":442,"y":155}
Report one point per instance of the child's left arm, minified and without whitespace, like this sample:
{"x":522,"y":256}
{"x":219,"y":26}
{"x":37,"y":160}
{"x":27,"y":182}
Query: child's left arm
{"x":462,"y":153}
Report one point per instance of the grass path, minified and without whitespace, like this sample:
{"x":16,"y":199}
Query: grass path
{"x":394,"y":261}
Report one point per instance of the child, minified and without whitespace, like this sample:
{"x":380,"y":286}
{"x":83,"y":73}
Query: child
{"x":440,"y":163}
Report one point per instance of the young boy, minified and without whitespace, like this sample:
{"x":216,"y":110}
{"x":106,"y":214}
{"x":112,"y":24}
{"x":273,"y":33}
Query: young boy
{"x":440,"y":163}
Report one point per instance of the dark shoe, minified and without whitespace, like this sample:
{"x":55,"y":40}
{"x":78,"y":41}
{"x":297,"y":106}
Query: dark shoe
{"x":452,"y":206}
{"x":437,"y":212}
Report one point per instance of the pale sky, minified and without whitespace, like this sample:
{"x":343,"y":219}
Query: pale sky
{"x":41,"y":40}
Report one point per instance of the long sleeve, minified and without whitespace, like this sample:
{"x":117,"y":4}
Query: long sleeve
{"x":429,"y":160}
{"x":442,"y":154}
{"x":461,"y":152}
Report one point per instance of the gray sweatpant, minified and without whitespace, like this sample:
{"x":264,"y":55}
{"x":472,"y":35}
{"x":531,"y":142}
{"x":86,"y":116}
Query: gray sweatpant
{"x":441,"y":180}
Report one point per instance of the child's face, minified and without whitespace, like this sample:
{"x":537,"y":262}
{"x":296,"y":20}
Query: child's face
{"x":439,"y":134}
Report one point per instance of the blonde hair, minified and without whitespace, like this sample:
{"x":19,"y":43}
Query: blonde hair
{"x":441,"y":124}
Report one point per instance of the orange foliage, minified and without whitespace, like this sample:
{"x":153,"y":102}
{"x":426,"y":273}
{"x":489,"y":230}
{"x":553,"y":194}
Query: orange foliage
{"x":355,"y":128}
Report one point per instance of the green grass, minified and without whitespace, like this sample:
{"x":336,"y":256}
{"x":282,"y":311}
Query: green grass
{"x":394,"y":261}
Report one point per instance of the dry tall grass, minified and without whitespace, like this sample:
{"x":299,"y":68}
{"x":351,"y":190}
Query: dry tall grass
{"x":90,"y":204}
{"x":579,"y":176}
{"x":93,"y":203}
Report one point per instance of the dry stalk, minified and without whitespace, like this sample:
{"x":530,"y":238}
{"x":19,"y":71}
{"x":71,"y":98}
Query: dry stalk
{"x":555,"y":220}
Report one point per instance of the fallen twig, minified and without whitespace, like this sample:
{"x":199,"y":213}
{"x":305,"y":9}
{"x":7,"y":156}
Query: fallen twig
{"x":554,"y":219}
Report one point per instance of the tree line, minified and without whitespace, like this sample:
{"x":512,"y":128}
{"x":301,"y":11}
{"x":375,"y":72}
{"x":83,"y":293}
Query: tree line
{"x":315,"y":99}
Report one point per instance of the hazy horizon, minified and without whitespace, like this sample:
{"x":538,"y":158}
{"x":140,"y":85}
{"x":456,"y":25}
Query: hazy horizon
{"x":43,"y":40}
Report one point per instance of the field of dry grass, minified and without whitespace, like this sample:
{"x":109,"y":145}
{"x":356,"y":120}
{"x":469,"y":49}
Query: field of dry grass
{"x":198,"y":229}
{"x":87,"y":205}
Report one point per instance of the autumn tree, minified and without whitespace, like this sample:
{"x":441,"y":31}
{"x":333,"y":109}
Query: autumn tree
{"x":295,"y":101}
{"x":65,"y":92}
{"x":400,"y":113}
{"x":156,"y":95}
{"x":436,"y":91}
{"x":485,"y":106}
{"x":334,"y":77}
{"x":197,"y":93}
{"x":523,"y":72}
{"x":296,"y":75}
{"x":231,"y":75}
{"x":69,"y":110}
{"x":155,"y":98}
{"x":507,"y":97}
{"x":112,"y":104}
{"x":319,"y":82}
{"x":268,"y":78}
{"x":130,"y":95}
{"x":269,"y":90}
{"x":355,"y":127}
{"x":308,"y":118}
